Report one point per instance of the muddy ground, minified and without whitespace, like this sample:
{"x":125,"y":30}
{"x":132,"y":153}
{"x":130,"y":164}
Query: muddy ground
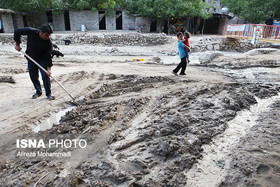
{"x":216,"y":126}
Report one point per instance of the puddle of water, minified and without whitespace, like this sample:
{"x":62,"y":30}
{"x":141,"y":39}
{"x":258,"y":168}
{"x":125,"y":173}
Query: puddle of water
{"x":53,"y":119}
{"x":208,"y":170}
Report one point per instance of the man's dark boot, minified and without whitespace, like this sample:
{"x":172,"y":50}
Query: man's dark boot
{"x":36,"y":95}
{"x":50,"y":97}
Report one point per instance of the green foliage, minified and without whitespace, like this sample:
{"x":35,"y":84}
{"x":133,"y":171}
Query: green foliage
{"x":28,"y":5}
{"x":89,"y":4}
{"x":146,"y":8}
{"x":254,"y":11}
{"x":165,"y":8}
{"x":43,"y":5}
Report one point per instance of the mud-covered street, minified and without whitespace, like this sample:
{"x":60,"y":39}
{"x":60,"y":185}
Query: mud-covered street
{"x":216,"y":126}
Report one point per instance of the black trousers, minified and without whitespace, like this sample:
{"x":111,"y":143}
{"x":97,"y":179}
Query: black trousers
{"x":182,"y":64}
{"x":34,"y":76}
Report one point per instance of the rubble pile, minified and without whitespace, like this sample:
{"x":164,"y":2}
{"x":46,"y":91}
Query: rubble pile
{"x":231,"y":44}
{"x":226,"y":44}
{"x":8,"y":79}
{"x":130,"y":39}
{"x":7,"y":39}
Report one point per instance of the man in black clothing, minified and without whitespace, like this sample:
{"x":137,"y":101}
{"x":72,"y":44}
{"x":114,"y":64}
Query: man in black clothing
{"x":268,"y":29}
{"x":270,"y":20}
{"x":39,"y":47}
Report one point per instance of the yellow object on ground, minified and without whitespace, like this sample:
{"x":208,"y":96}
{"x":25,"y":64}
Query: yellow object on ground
{"x":136,"y":59}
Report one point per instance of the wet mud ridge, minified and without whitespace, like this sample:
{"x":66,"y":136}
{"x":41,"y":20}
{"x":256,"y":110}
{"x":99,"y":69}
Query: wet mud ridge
{"x":147,"y":131}
{"x":256,"y":159}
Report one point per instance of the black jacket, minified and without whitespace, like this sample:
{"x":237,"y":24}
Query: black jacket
{"x":37,"y":48}
{"x":269,"y":21}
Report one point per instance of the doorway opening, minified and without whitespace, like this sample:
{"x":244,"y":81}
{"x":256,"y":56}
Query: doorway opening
{"x":119,"y":20}
{"x":1,"y":25}
{"x":102,"y":21}
{"x":67,"y":20}
{"x":153,"y":25}
{"x":49,"y":16}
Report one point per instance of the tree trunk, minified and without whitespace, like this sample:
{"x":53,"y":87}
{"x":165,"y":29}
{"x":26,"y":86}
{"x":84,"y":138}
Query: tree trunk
{"x":187,"y":29}
{"x":160,"y":23}
{"x":198,"y":22}
{"x":189,"y":25}
{"x":168,"y":30}
{"x":193,"y":26}
{"x":203,"y":26}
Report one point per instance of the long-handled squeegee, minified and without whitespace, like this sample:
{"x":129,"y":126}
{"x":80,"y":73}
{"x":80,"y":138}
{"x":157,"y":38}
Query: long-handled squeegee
{"x":50,"y":75}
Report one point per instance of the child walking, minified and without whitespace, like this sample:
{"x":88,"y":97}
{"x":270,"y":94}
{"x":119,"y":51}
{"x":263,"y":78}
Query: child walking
{"x":187,"y":35}
{"x":183,"y":54}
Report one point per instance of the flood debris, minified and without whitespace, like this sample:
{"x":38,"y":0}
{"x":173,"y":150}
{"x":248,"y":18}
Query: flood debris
{"x":7,"y":79}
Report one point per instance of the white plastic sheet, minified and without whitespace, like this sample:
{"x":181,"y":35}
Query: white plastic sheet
{"x":235,"y":27}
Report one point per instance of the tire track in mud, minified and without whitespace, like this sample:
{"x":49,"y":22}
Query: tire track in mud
{"x":102,"y":140}
{"x":105,"y":136}
{"x":148,"y":131}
